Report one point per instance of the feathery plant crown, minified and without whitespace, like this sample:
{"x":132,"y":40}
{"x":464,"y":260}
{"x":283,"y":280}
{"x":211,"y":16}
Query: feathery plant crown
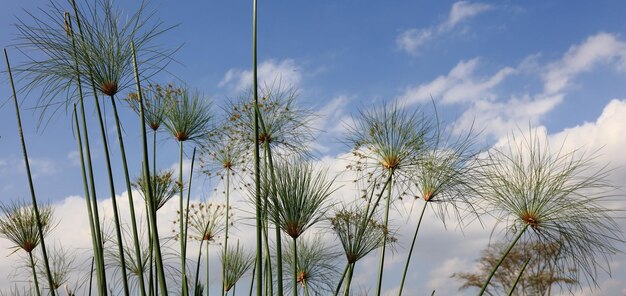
{"x":156,"y":98}
{"x":358,"y":238}
{"x":236,"y":262}
{"x":558,"y":196}
{"x":301,"y":194}
{"x":188,"y":117}
{"x":206,"y":220}
{"x":19,"y":224}
{"x":102,"y":51}
{"x":288,"y":127}
{"x":317,"y":267}
{"x":163,"y":188}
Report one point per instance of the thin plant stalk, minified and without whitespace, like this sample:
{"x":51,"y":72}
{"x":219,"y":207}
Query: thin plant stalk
{"x":184,"y":235}
{"x":28,"y":173}
{"x":32,"y":266}
{"x":382,"y":253}
{"x":133,"y":220}
{"x":519,"y":277}
{"x":295,"y":268}
{"x":207,"y":269}
{"x":506,"y":252}
{"x":198,"y":267}
{"x":270,"y":162}
{"x":408,"y":258}
{"x":227,"y":222}
{"x":93,"y":203}
{"x":346,"y":290}
{"x":150,"y":198}
{"x":343,"y":276}
{"x":94,"y":234}
{"x":257,"y":174}
{"x":183,"y":249}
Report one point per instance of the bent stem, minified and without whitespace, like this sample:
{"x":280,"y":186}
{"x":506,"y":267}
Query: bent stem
{"x":506,"y":252}
{"x":30,"y":178}
{"x":408,"y":259}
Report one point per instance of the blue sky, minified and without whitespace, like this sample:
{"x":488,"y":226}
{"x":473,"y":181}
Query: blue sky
{"x":556,"y":65}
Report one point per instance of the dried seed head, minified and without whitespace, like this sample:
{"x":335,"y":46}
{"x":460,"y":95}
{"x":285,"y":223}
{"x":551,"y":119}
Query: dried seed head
{"x":109,"y":88}
{"x":530,"y":219}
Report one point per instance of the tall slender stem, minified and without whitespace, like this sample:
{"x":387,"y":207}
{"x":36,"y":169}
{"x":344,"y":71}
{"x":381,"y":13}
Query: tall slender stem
{"x":183,"y":251}
{"x":193,"y":159}
{"x":346,"y":289}
{"x":129,"y":191}
{"x":519,"y":277}
{"x":408,"y":258}
{"x":295,"y":267}
{"x":343,"y":276}
{"x":382,"y":253}
{"x":257,"y":175}
{"x":228,"y":172}
{"x":99,"y":248}
{"x":152,"y":219}
{"x":94,"y":234}
{"x":506,"y":252}
{"x":207,"y":269}
{"x":28,"y":173}
{"x":32,"y":266}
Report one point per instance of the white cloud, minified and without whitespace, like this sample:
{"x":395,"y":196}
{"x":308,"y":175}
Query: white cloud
{"x":287,"y":72}
{"x":600,"y":48}
{"x":411,"y":39}
{"x":38,"y":166}
{"x":460,"y":85}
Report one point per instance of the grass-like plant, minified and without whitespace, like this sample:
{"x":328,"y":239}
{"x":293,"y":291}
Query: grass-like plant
{"x":188,"y":118}
{"x":163,"y":187}
{"x":388,"y":142}
{"x":317,"y":271}
{"x":61,"y":266}
{"x":553,"y":197}
{"x":236,"y":262}
{"x":300,"y":197}
{"x":359,"y":234}
{"x":19,"y":224}
{"x":445,"y":177}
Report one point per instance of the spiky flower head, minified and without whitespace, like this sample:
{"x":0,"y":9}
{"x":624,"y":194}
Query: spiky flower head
{"x":236,"y":262}
{"x":299,"y":196}
{"x":19,"y":224}
{"x":101,"y":47}
{"x":188,"y":117}
{"x":388,"y":140}
{"x":317,"y":267}
{"x":206,"y":221}
{"x":359,"y":233}
{"x":224,"y":155}
{"x":288,"y":127}
{"x":446,"y":174}
{"x":61,"y":266}
{"x":558,"y":195}
{"x":156,"y":98}
{"x":163,"y":187}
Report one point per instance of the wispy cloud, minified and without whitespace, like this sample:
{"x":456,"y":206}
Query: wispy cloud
{"x":269,"y":71}
{"x":411,"y":39}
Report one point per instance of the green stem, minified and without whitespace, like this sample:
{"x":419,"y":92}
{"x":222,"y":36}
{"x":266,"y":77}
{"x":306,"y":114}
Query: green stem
{"x":493,"y":271}
{"x":227,"y":223}
{"x":408,"y":258}
{"x":181,"y":238}
{"x":197,"y":278}
{"x":98,"y":246}
{"x":519,"y":277}
{"x":251,"y":279}
{"x":193,"y":159}
{"x":343,"y":276}
{"x":28,"y":173}
{"x":295,"y":268}
{"x":94,"y":234}
{"x":306,"y":288}
{"x":152,"y":218}
{"x":32,"y":266}
{"x":207,"y":268}
{"x":346,"y":289}
{"x":131,"y":203}
{"x":257,"y":175}
{"x":382,"y":253}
